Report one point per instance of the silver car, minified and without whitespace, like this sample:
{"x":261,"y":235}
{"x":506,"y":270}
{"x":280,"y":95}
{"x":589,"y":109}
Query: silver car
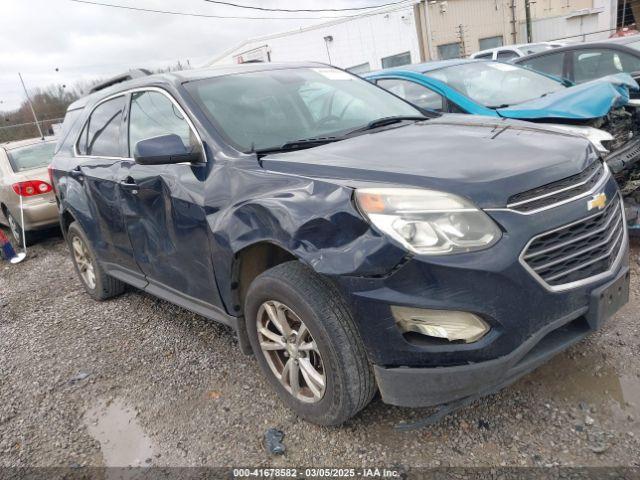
{"x":24,"y":176}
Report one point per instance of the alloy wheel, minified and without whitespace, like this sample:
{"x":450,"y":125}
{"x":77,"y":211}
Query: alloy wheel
{"x":84,"y":263}
{"x":15,"y":228}
{"x":291,"y":352}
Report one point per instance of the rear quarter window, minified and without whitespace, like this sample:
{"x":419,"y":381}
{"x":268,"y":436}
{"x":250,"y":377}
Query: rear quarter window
{"x":70,"y":121}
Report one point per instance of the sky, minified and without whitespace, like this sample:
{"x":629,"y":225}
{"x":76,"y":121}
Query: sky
{"x":64,"y":42}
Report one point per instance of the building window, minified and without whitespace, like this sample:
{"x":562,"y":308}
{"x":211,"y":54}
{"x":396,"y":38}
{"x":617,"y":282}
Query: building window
{"x":449,"y":50}
{"x":360,"y":69}
{"x":396,"y":60}
{"x":491,"y":42}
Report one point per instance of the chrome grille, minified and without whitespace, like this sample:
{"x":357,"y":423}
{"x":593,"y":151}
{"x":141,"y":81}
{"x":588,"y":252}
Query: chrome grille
{"x":578,"y":251}
{"x":563,"y":190}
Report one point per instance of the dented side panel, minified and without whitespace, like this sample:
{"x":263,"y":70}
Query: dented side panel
{"x":316,"y":221}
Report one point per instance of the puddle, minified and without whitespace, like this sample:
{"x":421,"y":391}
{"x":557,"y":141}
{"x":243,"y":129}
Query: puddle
{"x":588,"y":379}
{"x":122,"y":441}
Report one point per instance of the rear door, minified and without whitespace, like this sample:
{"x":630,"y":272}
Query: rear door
{"x":98,"y":152}
{"x":163,"y":206}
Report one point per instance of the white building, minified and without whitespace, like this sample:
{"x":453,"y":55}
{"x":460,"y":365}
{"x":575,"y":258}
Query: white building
{"x":421,"y":30}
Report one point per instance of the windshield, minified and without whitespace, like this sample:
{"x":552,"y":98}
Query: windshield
{"x":496,"y":85}
{"x":33,"y":156}
{"x":265,"y":110}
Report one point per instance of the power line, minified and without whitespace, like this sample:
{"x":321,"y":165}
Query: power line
{"x":203,"y":15}
{"x":292,"y":10}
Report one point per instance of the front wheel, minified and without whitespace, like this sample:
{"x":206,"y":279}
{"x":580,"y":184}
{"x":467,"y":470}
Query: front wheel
{"x":307,"y":344}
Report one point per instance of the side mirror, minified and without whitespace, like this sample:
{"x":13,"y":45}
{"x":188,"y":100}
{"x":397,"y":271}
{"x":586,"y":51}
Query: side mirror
{"x":164,"y":149}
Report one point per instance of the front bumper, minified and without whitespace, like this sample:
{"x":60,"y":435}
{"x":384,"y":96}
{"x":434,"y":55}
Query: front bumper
{"x":529,"y":321}
{"x":420,"y":387}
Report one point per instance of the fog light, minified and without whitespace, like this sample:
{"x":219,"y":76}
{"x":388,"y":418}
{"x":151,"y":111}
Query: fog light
{"x":446,"y":324}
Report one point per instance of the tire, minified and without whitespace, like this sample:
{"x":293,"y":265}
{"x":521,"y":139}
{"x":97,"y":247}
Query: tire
{"x":16,"y":231}
{"x":103,"y":286}
{"x":300,"y":293}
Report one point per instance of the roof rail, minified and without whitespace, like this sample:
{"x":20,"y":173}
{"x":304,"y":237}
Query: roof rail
{"x":123,"y":77}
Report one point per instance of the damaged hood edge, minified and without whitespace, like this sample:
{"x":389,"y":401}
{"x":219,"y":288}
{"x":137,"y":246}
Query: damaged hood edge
{"x":582,"y":102}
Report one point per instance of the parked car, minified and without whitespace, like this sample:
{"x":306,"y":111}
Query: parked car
{"x":583,"y":62}
{"x":352,"y":241}
{"x":509,"y":52}
{"x":599,"y":110}
{"x":23,"y":176}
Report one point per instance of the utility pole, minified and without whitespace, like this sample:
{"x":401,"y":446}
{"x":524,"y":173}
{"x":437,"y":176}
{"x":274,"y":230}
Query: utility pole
{"x":31,"y":105}
{"x":527,"y":12}
{"x":463,"y":50}
{"x":514,"y":23}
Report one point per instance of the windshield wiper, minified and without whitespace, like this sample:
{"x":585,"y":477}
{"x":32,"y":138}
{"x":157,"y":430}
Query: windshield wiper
{"x":383,"y":122}
{"x":315,"y":142}
{"x":297,"y":145}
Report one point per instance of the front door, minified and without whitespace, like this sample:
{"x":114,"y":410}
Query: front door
{"x":163,"y":207}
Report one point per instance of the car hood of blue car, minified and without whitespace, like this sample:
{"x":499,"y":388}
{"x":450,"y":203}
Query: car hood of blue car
{"x":580,"y":102}
{"x":486,"y":159}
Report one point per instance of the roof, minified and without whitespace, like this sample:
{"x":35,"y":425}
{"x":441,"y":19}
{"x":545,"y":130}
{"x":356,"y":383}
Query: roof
{"x":26,"y":143}
{"x":183,"y":76}
{"x":428,"y":66}
{"x":581,"y":46}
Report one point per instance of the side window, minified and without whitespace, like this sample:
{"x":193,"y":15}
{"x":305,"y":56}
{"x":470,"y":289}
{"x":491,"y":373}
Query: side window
{"x":592,"y":64}
{"x":101,"y":134}
{"x":551,"y":64}
{"x":484,"y":56}
{"x":413,"y":93}
{"x":506,"y":55}
{"x":153,"y":114}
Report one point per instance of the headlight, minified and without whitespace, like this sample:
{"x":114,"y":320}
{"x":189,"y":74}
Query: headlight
{"x":594,"y":135}
{"x":428,"y":222}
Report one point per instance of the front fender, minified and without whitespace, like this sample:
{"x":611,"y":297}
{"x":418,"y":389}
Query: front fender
{"x":315,"y":220}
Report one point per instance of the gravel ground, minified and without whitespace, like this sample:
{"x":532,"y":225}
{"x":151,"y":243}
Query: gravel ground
{"x":136,"y":380}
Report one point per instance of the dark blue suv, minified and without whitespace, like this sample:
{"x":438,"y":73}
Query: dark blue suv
{"x":355,"y":243}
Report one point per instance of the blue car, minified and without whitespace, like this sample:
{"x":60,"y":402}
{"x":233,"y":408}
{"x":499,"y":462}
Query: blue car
{"x":598,"y":110}
{"x":352,"y":242}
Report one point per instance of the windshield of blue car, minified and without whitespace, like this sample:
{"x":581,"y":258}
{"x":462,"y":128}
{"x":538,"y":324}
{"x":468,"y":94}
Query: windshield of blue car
{"x":494,"y":84}
{"x":32,"y":156}
{"x":265,"y":110}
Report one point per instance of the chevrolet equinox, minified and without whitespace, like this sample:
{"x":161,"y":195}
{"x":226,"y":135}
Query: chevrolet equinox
{"x":353,"y":242}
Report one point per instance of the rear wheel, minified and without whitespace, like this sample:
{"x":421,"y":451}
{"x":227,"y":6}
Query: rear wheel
{"x":307,"y":344}
{"x":94,"y":280}
{"x":16,"y":231}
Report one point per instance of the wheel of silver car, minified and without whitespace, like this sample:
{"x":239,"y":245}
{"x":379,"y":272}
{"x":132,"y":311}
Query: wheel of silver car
{"x":16,"y":229}
{"x":84,"y":263}
{"x":291,"y":352}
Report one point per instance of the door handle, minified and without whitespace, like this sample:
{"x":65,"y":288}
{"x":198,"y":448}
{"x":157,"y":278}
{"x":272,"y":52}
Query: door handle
{"x":129,"y":184}
{"x":76,"y":173}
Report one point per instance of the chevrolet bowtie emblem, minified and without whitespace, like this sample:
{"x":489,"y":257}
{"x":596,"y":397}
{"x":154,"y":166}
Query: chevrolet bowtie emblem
{"x":598,"y":201}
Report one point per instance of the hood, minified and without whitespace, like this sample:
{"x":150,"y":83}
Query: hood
{"x":484,"y":159}
{"x":581,"y":102}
